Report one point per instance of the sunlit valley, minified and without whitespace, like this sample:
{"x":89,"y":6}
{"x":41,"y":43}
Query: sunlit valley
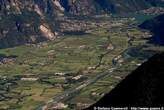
{"x":67,"y":54}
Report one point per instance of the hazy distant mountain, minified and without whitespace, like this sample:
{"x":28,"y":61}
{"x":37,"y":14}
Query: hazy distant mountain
{"x":142,"y":88}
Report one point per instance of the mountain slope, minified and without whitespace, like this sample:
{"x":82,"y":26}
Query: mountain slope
{"x":33,"y":21}
{"x":80,"y":6}
{"x":156,"y":26}
{"x":24,"y":22}
{"x":85,"y":7}
{"x":143,"y":87}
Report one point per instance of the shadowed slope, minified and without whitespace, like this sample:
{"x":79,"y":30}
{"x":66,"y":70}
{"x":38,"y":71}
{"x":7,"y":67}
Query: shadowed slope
{"x":144,"y":87}
{"x":156,"y":26}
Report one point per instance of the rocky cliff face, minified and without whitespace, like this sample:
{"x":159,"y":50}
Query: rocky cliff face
{"x":41,"y":7}
{"x":31,"y":21}
{"x":81,"y":7}
{"x":85,"y":7}
{"x":24,"y":21}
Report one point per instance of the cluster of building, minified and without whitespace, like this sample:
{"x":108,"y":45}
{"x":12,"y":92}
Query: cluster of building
{"x":7,"y":60}
{"x":55,"y":106}
{"x":154,"y":11}
{"x":59,"y":106}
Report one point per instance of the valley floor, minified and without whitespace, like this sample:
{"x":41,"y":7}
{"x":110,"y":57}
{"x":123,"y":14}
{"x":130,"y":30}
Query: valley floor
{"x":74,"y":71}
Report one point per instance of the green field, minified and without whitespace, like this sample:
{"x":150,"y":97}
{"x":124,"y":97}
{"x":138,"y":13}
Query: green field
{"x":70,"y":54}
